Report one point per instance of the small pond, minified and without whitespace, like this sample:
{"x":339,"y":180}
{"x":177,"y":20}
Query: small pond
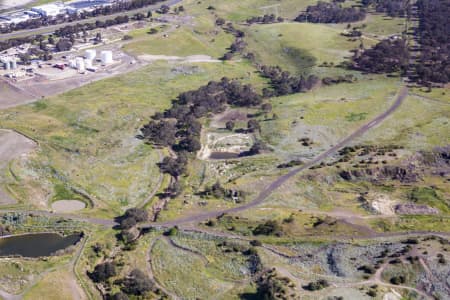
{"x":36,"y":244}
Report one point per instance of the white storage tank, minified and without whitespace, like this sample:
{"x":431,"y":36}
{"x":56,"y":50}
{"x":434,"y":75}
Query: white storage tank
{"x":90,"y":54}
{"x":73,"y":63}
{"x":88,"y":63}
{"x":13,"y":64}
{"x":106,"y":57}
{"x":80,"y":64}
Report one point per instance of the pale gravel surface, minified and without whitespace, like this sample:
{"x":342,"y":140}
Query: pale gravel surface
{"x":12,"y":145}
{"x":64,"y":206}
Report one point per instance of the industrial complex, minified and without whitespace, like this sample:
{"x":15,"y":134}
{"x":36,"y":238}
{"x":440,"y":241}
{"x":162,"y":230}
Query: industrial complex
{"x":52,"y":10}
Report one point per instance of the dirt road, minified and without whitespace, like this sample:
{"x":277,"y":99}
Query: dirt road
{"x":282,"y":179}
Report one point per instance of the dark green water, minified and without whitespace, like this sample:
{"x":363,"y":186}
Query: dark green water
{"x":36,"y":245}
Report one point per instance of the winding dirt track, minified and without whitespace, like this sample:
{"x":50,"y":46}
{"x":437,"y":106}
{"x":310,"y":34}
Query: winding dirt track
{"x":282,"y":179}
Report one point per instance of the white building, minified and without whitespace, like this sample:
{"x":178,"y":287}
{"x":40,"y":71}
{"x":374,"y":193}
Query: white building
{"x":80,"y":64}
{"x":14,"y":18}
{"x":50,"y":10}
{"x":9,"y":63}
{"x":88,"y":63}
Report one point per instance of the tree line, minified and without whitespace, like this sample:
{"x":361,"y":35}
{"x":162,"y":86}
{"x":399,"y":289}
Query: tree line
{"x":238,"y":45}
{"x":393,"y":8}
{"x":434,"y":38}
{"x":266,"y":19}
{"x":385,"y":57}
{"x":324,"y":12}
{"x":283,"y":83}
{"x":392,"y":55}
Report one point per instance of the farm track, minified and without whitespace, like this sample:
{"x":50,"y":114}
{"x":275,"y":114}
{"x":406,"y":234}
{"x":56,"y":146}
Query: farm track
{"x":149,"y":268}
{"x":183,"y":248}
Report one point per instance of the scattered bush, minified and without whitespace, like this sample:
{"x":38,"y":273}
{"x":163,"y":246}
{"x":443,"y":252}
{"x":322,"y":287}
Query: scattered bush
{"x":137,"y":283}
{"x":270,"y":227}
{"x":317,"y":285}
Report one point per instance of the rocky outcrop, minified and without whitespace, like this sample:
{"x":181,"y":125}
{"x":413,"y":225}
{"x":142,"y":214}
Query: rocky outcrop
{"x":402,"y":174}
{"x":415,"y":209}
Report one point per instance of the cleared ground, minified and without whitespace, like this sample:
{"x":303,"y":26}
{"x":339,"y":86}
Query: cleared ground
{"x":12,"y":146}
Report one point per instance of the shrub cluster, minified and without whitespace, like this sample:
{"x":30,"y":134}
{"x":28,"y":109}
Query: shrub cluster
{"x":317,"y":285}
{"x":283,"y":83}
{"x":266,"y":19}
{"x":270,"y":227}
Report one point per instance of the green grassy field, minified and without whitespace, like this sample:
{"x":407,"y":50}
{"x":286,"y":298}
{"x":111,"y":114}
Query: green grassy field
{"x":239,"y":11}
{"x":17,"y":274}
{"x":415,"y":131}
{"x":56,"y":285}
{"x":298,"y":47}
{"x":179,"y":42}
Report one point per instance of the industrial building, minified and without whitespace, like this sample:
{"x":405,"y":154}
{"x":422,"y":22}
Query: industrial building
{"x":15,"y":17}
{"x":53,"y":10}
{"x":86,"y":5}
{"x":50,"y":10}
{"x":9,"y":63}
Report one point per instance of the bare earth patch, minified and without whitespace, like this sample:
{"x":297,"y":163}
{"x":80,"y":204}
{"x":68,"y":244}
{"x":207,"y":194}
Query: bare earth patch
{"x":230,"y":143}
{"x":12,"y":145}
{"x":383,"y":205}
{"x":393,"y":295}
{"x":63,"y":206}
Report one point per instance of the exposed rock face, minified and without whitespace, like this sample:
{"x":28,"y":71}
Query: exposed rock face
{"x":403,"y":174}
{"x":442,"y":155}
{"x":438,"y":160}
{"x":415,"y":209}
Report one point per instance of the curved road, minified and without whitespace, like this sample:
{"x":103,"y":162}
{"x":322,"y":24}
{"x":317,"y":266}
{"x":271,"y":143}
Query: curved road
{"x":282,"y":179}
